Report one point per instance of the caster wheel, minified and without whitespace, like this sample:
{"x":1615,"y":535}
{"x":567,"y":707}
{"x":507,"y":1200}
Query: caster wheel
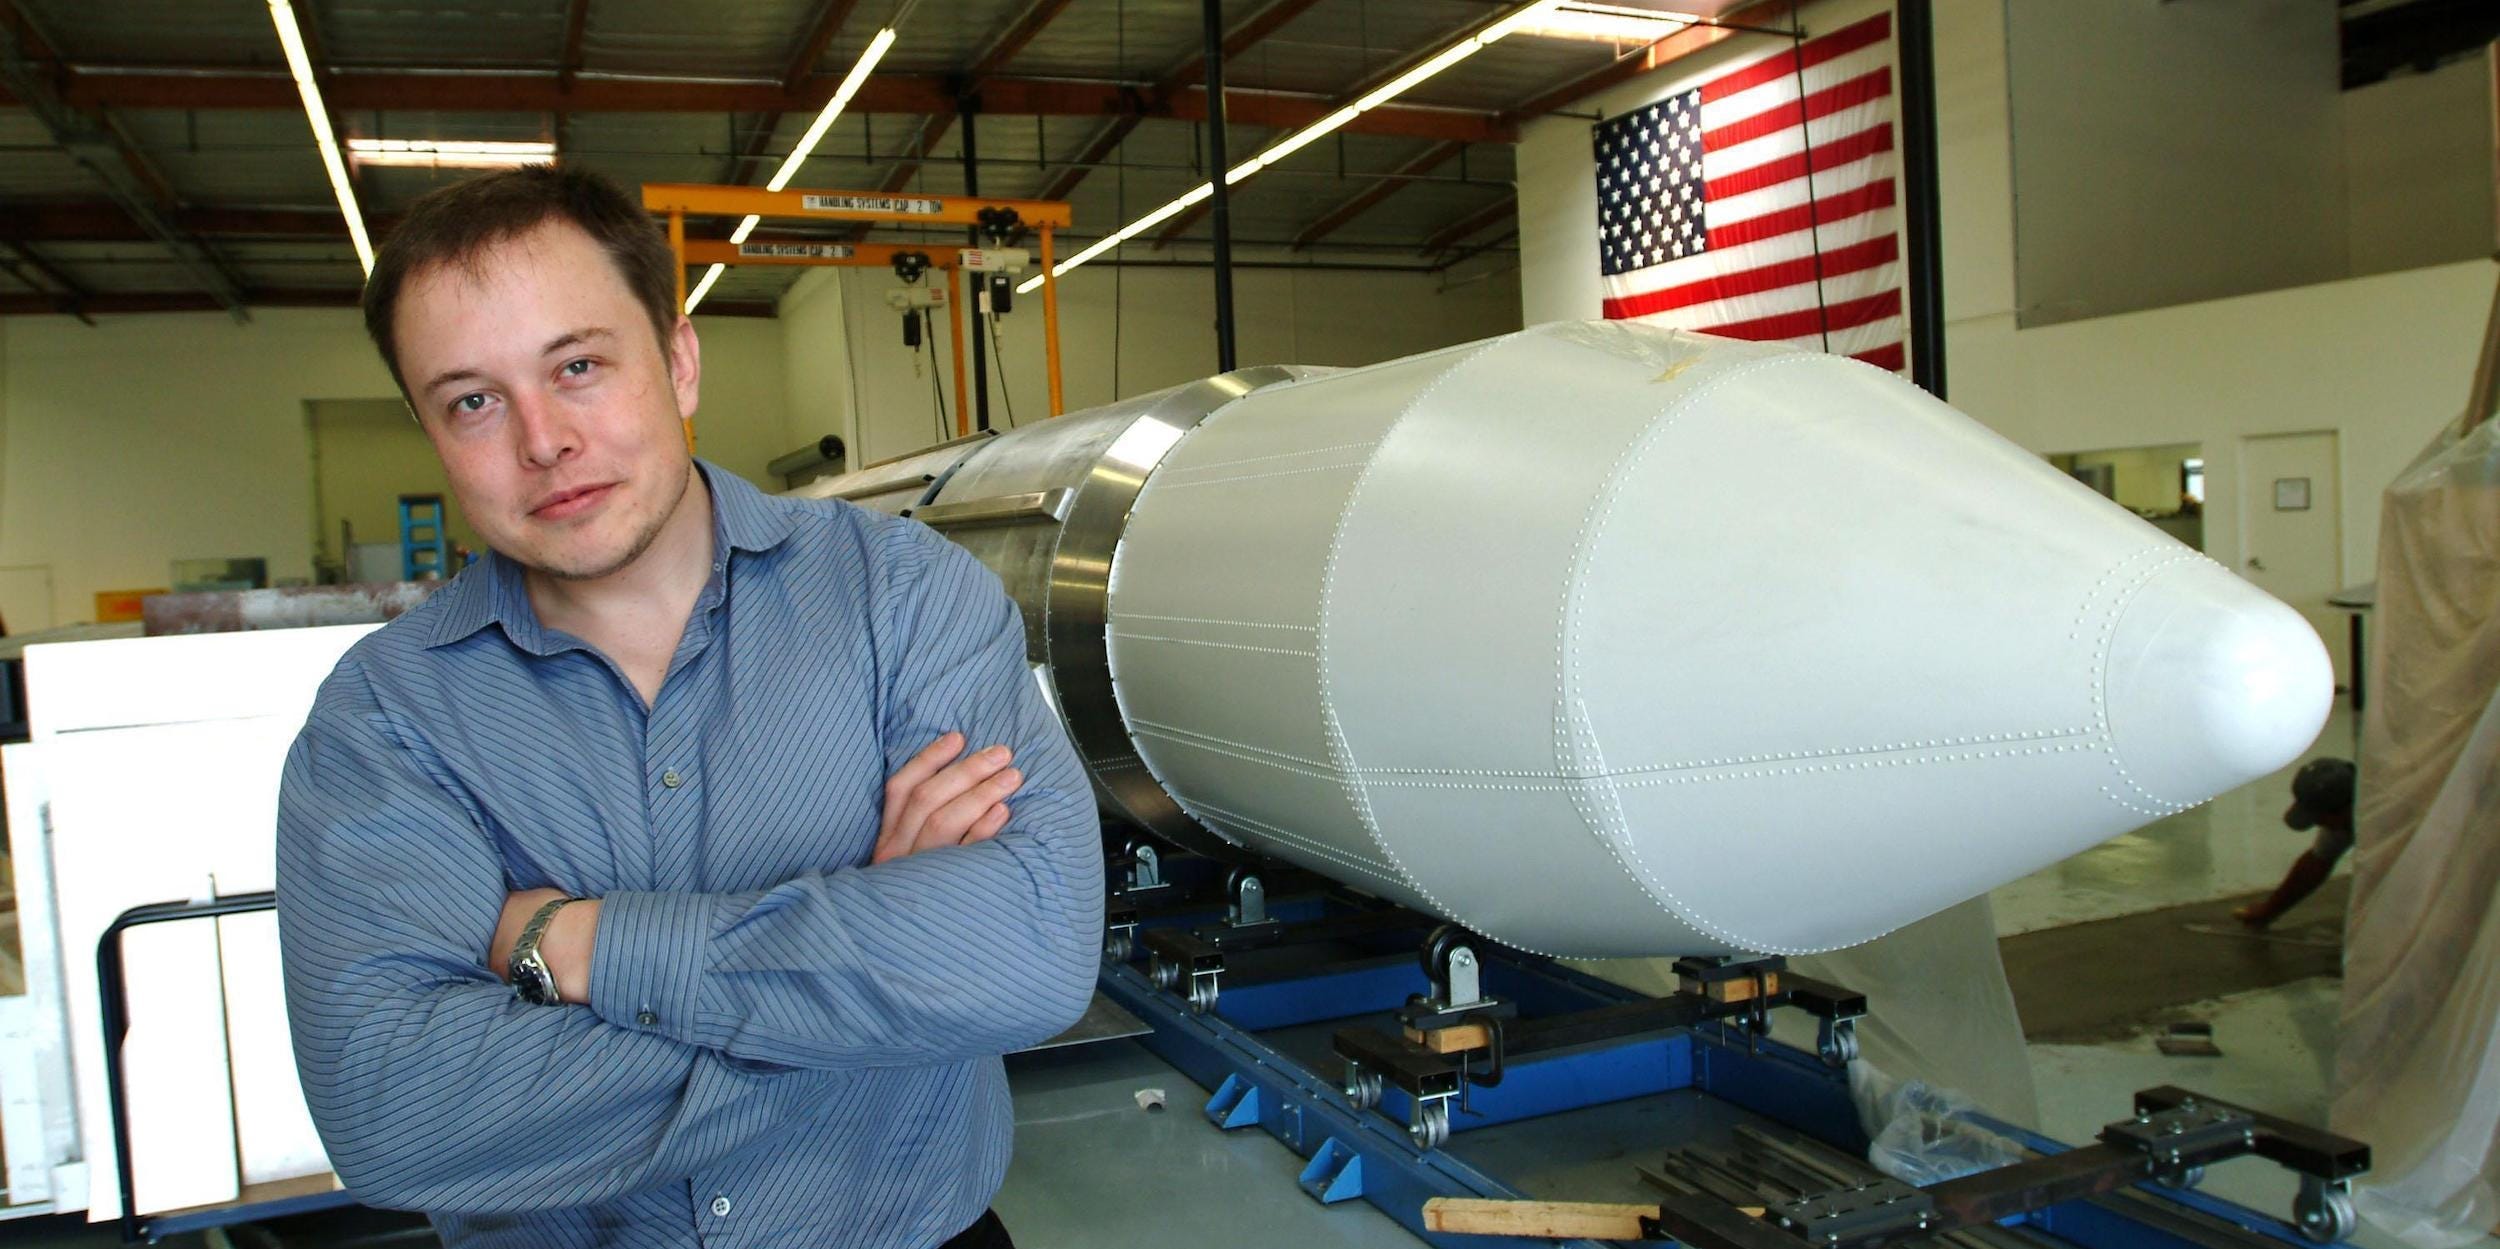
{"x":1362,"y":1087}
{"x":2325,"y":1215}
{"x":1117,"y":947}
{"x":1202,"y":993}
{"x":1165,"y":975}
{"x":1838,"y":1045}
{"x":1431,"y":1128}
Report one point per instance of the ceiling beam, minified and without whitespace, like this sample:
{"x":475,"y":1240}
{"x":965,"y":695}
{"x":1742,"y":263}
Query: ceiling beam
{"x":1677,"y":46}
{"x":29,"y":70}
{"x":746,"y":157}
{"x":1682,"y":43}
{"x":67,"y":296}
{"x":273,"y":297}
{"x":1191,"y":216}
{"x":569,"y":58}
{"x":568,"y":68}
{"x":104,"y":221}
{"x":811,"y":49}
{"x":1363,"y":201}
{"x":1451,"y":260}
{"x":1010,"y":42}
{"x":919,"y":94}
{"x":1188,"y":72}
{"x":1472,"y":224}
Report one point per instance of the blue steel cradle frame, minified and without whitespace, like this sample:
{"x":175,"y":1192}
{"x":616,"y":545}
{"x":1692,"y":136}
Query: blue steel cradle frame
{"x":1354,"y":1153}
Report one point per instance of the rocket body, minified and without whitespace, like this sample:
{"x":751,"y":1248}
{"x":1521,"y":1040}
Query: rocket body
{"x":1605,"y":640}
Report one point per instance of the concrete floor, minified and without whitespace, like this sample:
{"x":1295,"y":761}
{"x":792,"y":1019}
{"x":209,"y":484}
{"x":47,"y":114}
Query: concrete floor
{"x":1094,"y":1169}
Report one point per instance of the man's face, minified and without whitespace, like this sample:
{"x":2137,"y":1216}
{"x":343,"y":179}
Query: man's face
{"x":556,"y":414}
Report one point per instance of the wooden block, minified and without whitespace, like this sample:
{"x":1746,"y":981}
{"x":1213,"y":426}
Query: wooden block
{"x":1451,"y":1040}
{"x":1740,"y":989}
{"x":1551,"y":1220}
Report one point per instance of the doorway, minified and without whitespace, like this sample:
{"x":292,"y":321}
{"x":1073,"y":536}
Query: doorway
{"x":2292,"y":531}
{"x":365,"y":454}
{"x":2165,"y":484}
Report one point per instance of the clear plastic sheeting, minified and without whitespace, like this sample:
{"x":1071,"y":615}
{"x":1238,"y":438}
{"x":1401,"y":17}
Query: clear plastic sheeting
{"x":1939,"y":1011}
{"x":2418,"y":1067}
{"x":1920,"y":1134}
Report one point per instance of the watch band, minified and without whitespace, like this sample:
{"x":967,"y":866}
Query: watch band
{"x":531,"y":977}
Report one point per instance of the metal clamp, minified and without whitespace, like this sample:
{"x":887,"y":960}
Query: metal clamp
{"x":2184,"y":1137}
{"x":1876,"y":1211}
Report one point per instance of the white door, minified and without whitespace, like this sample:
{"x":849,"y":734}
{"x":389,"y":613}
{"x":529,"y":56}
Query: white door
{"x":2292,"y":530}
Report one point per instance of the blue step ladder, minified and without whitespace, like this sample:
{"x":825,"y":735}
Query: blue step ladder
{"x":424,"y":546}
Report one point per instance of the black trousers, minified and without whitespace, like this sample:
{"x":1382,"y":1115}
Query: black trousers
{"x":985,"y":1233}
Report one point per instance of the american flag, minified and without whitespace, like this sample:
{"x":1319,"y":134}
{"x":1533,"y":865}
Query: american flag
{"x":1732,"y":208}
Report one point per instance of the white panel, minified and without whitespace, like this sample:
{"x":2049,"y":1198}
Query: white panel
{"x":175,"y":803}
{"x":173,"y":1074}
{"x":271,"y":1122}
{"x":29,"y":1175}
{"x":169,"y":680}
{"x":30,"y":859}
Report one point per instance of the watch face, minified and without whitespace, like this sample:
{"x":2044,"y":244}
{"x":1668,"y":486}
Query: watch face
{"x":531,"y":981}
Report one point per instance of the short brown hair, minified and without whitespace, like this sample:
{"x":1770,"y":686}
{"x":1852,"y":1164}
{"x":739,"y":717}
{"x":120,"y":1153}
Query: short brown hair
{"x":457,"y":223}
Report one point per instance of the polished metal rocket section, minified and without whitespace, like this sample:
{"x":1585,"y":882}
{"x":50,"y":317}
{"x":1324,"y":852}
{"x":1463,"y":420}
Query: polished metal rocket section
{"x":1044,"y":506}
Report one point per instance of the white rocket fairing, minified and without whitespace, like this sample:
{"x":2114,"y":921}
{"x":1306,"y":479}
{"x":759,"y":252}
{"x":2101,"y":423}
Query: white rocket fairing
{"x":1606,"y":640}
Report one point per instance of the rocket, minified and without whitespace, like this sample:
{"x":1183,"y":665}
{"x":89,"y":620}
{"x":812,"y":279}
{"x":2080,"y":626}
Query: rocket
{"x":1601,"y":639}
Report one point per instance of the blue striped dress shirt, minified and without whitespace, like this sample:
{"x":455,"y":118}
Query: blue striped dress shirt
{"x":784,"y":1046}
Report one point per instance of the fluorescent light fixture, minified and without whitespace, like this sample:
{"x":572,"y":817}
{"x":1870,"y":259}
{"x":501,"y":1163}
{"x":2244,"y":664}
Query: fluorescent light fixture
{"x":868,"y":59}
{"x":1511,"y":23}
{"x":299,"y":63}
{"x":1606,"y":23}
{"x":703,"y":287}
{"x":449,"y":153}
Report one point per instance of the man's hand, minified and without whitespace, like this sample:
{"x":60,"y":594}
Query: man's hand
{"x":566,"y":945}
{"x":938,"y":799}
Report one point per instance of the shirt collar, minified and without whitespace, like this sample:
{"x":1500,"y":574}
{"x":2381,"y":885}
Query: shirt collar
{"x":495,"y":591}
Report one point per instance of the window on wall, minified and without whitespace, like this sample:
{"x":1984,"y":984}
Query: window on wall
{"x":2192,"y":479}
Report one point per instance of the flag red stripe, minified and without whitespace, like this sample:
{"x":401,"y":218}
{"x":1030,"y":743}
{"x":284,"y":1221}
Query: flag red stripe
{"x":1892,"y":357}
{"x":1824,"y":211}
{"x":1873,"y":84}
{"x":1771,"y":277}
{"x":1830,"y":155}
{"x":1840,"y":316}
{"x":1841,"y":42}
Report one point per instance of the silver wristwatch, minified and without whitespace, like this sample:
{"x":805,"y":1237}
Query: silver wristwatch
{"x":530,"y":977}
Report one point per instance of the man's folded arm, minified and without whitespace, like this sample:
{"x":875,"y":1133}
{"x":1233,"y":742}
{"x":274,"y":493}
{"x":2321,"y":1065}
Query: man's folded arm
{"x":944,"y":955}
{"x":433,"y":1086}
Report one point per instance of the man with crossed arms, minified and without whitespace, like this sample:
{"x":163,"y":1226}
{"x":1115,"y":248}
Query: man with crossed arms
{"x":638,"y":888}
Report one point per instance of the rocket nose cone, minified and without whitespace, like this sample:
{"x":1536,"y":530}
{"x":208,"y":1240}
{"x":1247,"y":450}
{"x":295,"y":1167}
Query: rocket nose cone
{"x":2209,"y":684}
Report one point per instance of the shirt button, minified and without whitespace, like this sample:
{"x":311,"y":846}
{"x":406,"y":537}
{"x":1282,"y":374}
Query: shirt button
{"x":671,"y":779}
{"x":720,"y":1207}
{"x":647,"y":1018}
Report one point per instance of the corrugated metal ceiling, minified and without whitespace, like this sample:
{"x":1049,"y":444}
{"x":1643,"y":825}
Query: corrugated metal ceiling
{"x":212,"y":158}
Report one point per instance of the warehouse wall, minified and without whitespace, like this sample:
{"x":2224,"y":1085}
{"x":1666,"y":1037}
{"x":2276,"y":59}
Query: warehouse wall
{"x":366,"y":453}
{"x":2165,"y":153}
{"x":1163,"y":333}
{"x":2172,"y":152}
{"x":147,"y":439}
{"x":2383,"y":360}
{"x":2418,"y":157}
